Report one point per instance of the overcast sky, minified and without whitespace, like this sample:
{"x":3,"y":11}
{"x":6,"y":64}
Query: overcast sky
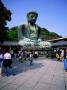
{"x":52,"y":13}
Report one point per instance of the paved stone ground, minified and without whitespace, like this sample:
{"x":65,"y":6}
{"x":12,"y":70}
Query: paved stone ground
{"x":44,"y":74}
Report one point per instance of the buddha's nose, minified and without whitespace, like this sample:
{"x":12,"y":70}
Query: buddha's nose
{"x":33,"y":17}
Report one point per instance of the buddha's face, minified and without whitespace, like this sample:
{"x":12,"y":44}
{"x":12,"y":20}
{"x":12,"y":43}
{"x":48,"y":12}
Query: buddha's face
{"x":32,"y":18}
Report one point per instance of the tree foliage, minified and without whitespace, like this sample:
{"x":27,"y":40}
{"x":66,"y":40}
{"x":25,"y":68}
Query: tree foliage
{"x":5,"y":15}
{"x":13,"y":34}
{"x":45,"y":34}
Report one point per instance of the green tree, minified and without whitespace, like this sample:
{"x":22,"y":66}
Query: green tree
{"x":53,"y":35}
{"x":13,"y":34}
{"x":44,"y":34}
{"x":5,"y":15}
{"x":47,"y":35}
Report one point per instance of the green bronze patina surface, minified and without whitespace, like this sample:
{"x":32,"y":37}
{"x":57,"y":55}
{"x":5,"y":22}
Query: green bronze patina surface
{"x":29,"y":34}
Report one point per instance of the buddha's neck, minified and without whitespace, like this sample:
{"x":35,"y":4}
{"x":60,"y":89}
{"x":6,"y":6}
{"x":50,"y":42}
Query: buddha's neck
{"x":33,"y":25}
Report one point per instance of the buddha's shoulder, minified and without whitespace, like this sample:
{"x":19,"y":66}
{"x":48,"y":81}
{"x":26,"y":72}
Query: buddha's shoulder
{"x":38,"y":27}
{"x":23,"y":25}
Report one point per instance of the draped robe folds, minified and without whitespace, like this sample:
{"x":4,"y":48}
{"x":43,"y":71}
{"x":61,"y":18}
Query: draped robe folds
{"x":31,"y":36}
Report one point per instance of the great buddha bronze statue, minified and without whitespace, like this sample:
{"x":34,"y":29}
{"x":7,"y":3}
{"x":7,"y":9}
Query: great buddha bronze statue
{"x":30,"y":34}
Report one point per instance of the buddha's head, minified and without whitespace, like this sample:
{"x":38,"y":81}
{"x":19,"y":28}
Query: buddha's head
{"x":32,"y":17}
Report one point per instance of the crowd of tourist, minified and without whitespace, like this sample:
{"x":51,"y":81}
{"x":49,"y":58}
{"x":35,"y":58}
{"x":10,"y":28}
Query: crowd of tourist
{"x":7,"y":56}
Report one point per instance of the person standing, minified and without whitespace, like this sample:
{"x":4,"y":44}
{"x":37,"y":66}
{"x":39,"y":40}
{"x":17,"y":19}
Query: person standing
{"x":65,"y":59}
{"x":31,"y":58}
{"x":7,"y":62}
{"x":62,"y":54}
{"x":12,"y":53}
{"x":1,"y":57}
{"x":1,"y":61}
{"x":65,"y":53}
{"x":58,"y":54}
{"x":20,"y":56}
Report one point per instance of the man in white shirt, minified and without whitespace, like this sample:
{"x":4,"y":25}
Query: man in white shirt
{"x":7,"y":56}
{"x":7,"y":61}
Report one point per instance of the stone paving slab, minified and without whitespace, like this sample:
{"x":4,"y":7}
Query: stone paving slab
{"x":44,"y":74}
